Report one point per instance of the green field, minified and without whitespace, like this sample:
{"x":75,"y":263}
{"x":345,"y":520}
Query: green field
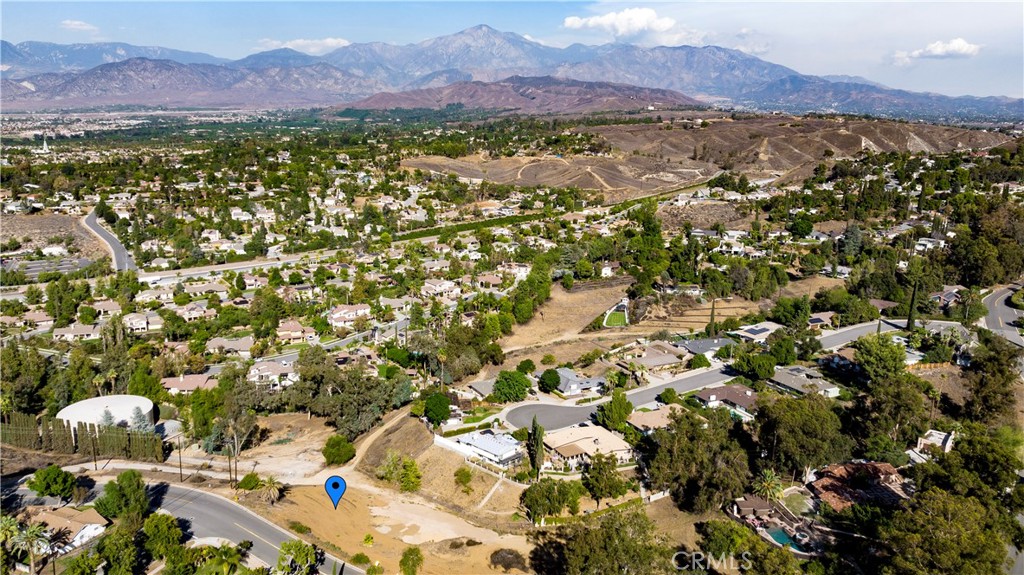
{"x":615,"y":319}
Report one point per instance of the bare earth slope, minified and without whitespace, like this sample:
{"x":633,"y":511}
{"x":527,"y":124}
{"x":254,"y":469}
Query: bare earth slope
{"x":648,"y":158}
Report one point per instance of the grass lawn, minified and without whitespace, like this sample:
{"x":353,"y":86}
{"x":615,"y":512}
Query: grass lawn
{"x":615,"y":319}
{"x":480,"y":413}
{"x":797,"y":503}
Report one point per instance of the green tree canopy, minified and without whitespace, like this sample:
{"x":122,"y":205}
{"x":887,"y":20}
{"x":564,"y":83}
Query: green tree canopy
{"x":52,"y":481}
{"x":511,"y":386}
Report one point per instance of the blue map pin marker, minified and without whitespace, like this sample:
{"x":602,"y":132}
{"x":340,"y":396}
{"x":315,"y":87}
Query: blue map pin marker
{"x":335,"y":487}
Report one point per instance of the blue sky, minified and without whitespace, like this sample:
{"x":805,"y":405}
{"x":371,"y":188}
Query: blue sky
{"x":954,"y":48}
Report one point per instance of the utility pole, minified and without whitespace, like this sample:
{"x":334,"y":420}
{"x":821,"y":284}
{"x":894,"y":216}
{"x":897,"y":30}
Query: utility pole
{"x":181,"y":473}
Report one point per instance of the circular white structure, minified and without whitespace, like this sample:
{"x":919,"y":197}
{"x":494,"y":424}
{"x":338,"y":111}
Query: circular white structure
{"x":120,"y":406}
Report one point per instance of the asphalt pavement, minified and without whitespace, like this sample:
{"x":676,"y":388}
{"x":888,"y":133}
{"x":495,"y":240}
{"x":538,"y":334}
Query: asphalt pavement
{"x":1001,"y":316}
{"x":210,"y":515}
{"x":122,"y":259}
{"x":553,"y":417}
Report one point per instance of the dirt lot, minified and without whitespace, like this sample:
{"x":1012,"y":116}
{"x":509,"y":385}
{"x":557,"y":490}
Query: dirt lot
{"x":14,"y":461}
{"x":682,"y":314}
{"x":395,"y":521}
{"x":678,"y":526}
{"x":408,"y":437}
{"x":950,"y":382}
{"x":703,"y":216}
{"x":563,"y":317}
{"x":39,"y":228}
{"x":810,"y":286}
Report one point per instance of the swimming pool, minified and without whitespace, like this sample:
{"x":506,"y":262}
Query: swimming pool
{"x":782,"y":538}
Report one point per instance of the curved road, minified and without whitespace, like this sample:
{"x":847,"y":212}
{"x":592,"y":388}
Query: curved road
{"x":122,"y":259}
{"x":214,"y":516}
{"x":553,"y":417}
{"x":1001,"y":316}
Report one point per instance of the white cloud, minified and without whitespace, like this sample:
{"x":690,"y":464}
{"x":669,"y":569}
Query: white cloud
{"x":627,"y":23}
{"x":309,"y":46}
{"x":955,"y":48}
{"x":751,"y":41}
{"x":78,"y":26}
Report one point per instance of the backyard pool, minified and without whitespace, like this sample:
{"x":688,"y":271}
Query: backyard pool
{"x":782,"y":538}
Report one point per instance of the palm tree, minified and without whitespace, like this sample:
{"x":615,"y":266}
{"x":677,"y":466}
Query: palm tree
{"x":768,"y":485}
{"x":226,"y":560}
{"x":270,"y":490}
{"x":33,"y":540}
{"x":9,"y":527}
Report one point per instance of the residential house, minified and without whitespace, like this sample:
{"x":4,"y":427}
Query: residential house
{"x":758,"y":332}
{"x":345,"y":316}
{"x":947,"y":296}
{"x":483,"y":388}
{"x":76,"y":526}
{"x":444,"y":289}
{"x":706,"y":346}
{"x":157,"y":294}
{"x":517,"y":270}
{"x":846,"y":484}
{"x":821,"y":320}
{"x":76,"y":332}
{"x":39,"y":318}
{"x":931,"y":440}
{"x":273,"y":374}
{"x":186,"y":384}
{"x":738,"y":399}
{"x":575,"y":446}
{"x":501,"y":449}
{"x":569,"y":383}
{"x":647,"y":421}
{"x":143,"y":322}
{"x":608,"y":269}
{"x":106,"y":308}
{"x":752,"y":506}
{"x":239,"y":346}
{"x":657,"y":356}
{"x":292,"y":331}
{"x":193,"y":311}
{"x":803,"y":380}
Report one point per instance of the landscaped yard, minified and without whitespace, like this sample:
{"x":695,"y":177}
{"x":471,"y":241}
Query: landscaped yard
{"x":480,"y":413}
{"x":615,"y":319}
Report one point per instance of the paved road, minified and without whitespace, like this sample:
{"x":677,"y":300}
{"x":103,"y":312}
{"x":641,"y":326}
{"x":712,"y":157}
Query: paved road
{"x":1001,"y":316}
{"x":553,"y":417}
{"x":122,"y":259}
{"x":213,"y":516}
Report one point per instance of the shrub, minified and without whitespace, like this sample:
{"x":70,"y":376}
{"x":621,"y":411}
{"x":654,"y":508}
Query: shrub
{"x":411,"y":476}
{"x":360,"y":559}
{"x":338,"y":450}
{"x":52,"y":481}
{"x":526,"y":366}
{"x":299,"y":527}
{"x":548,"y":359}
{"x":463,"y":477}
{"x":699,"y":361}
{"x":249,"y":482}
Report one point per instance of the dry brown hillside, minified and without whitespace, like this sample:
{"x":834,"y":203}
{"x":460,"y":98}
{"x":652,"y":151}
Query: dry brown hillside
{"x":649,"y":158}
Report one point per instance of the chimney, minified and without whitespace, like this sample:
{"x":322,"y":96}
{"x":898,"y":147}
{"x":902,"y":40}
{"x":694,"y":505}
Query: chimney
{"x":749,"y":393}
{"x":713,"y":397}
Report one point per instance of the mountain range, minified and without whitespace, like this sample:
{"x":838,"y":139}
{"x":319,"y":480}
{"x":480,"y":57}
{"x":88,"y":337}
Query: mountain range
{"x":39,"y":75}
